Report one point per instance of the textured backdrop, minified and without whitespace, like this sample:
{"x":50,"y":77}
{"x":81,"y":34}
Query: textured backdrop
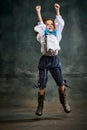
{"x":20,"y":52}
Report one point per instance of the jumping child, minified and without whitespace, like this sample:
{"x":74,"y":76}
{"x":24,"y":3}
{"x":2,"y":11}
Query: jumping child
{"x":49,"y":34}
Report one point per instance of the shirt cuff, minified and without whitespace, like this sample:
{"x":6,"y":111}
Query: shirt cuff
{"x":39,"y":23}
{"x":58,"y":16}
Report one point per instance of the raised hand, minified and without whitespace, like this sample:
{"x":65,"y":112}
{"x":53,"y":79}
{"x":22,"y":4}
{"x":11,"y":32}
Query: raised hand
{"x":57,"y":7}
{"x":38,"y":8}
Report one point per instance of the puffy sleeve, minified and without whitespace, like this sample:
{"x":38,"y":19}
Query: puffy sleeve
{"x":40,"y":31}
{"x":59,"y":23}
{"x":40,"y":27}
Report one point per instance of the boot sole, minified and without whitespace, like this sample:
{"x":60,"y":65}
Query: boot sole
{"x":38,"y":114}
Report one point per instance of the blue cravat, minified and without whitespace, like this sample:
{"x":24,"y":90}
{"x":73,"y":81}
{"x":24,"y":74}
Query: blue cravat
{"x":47,"y":32}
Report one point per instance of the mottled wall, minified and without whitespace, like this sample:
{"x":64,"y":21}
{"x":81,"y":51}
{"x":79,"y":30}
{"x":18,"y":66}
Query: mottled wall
{"x":20,"y":52}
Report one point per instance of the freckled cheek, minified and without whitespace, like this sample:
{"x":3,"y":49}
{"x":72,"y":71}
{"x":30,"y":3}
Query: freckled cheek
{"x":47,"y":27}
{"x":52,"y":27}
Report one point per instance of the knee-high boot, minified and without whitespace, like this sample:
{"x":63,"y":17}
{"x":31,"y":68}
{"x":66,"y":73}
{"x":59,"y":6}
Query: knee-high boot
{"x":63,"y":101}
{"x":39,"y":110}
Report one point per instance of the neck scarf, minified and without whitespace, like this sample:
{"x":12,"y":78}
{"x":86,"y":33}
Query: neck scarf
{"x":47,"y":32}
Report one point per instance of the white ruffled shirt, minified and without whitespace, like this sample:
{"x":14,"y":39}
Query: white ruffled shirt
{"x":52,"y":41}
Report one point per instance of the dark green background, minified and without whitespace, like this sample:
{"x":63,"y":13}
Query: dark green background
{"x":20,"y":52}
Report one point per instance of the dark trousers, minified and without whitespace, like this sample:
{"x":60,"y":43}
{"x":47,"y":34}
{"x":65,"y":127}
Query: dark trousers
{"x":52,"y":64}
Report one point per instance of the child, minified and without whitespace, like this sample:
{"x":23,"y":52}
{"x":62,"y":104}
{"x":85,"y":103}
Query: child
{"x":49,"y":34}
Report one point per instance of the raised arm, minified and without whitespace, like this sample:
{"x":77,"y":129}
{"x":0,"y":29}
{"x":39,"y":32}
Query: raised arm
{"x":57,"y":9}
{"x":59,"y":22}
{"x":38,"y":10}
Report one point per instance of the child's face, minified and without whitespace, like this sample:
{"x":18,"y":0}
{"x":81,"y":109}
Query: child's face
{"x":50,"y":25}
